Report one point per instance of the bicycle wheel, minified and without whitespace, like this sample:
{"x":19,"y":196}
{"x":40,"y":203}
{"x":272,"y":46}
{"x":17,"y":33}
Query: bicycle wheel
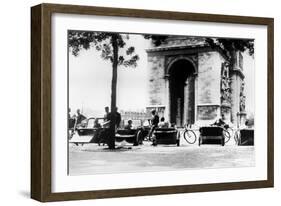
{"x":226,"y":136}
{"x":236,"y":137}
{"x":230,"y":131}
{"x":189,"y":136}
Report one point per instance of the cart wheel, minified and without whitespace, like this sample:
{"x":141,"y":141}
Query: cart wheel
{"x":154,"y":142}
{"x":139,"y":137}
{"x":136,"y":143}
{"x":226,"y":135}
{"x":222,"y":142}
{"x":236,"y":138}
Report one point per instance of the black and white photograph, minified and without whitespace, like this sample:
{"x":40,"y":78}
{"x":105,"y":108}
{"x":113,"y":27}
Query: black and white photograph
{"x":153,"y":102}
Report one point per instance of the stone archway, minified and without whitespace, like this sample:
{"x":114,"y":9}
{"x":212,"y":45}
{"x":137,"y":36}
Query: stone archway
{"x":182,"y":92}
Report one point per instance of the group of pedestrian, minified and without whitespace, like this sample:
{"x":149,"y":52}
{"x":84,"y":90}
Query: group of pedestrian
{"x":75,"y":120}
{"x":155,"y":123}
{"x":108,"y":117}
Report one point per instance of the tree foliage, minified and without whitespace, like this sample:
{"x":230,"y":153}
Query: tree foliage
{"x":157,"y":40}
{"x":228,"y":45}
{"x":102,"y":42}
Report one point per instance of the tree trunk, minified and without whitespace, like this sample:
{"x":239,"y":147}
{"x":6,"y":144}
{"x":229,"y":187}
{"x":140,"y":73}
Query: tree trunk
{"x":111,"y":142}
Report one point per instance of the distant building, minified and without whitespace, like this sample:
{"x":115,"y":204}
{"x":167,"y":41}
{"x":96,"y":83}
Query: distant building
{"x":138,"y":118}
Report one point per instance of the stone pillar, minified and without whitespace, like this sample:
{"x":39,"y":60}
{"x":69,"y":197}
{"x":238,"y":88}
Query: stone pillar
{"x":225,"y":92}
{"x":156,"y":82}
{"x":209,"y":79}
{"x":241,"y":119}
{"x":167,"y":98}
{"x":237,"y":77}
{"x":235,"y":82}
{"x":195,"y":97}
{"x":189,"y":100}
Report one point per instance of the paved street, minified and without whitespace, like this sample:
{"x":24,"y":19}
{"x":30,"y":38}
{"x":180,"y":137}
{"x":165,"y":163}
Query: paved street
{"x":94,"y":159}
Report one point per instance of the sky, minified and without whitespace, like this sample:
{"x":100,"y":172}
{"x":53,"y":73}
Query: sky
{"x":90,"y":81}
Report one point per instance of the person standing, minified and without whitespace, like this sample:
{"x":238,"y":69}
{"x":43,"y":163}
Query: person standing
{"x":71,"y":120}
{"x":106,"y":115}
{"x":117,"y":117}
{"x":69,"y":111}
{"x":154,"y":123}
{"x":80,"y":117}
{"x":154,"y":119}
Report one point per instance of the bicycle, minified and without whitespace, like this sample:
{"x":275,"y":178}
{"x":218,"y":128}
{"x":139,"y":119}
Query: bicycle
{"x":226,"y":135}
{"x":189,"y":135}
{"x":227,"y":132}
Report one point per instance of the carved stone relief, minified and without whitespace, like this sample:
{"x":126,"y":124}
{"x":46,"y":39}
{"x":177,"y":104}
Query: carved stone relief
{"x":225,"y":85}
{"x":242,"y":97}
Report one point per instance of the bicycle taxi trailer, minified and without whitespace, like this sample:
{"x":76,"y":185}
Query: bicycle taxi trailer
{"x":166,"y":136}
{"x":245,"y":137}
{"x":132,"y":136}
{"x":89,"y":134}
{"x":211,"y":135}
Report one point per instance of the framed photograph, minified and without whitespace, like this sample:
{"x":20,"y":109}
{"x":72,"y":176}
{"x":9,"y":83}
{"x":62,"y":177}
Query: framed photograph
{"x":130,"y":102}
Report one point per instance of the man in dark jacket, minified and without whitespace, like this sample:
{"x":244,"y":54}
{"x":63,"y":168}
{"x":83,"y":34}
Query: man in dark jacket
{"x":155,"y":118}
{"x":80,"y":117}
{"x":117,"y":116}
{"x":154,"y":123}
{"x":106,"y":115}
